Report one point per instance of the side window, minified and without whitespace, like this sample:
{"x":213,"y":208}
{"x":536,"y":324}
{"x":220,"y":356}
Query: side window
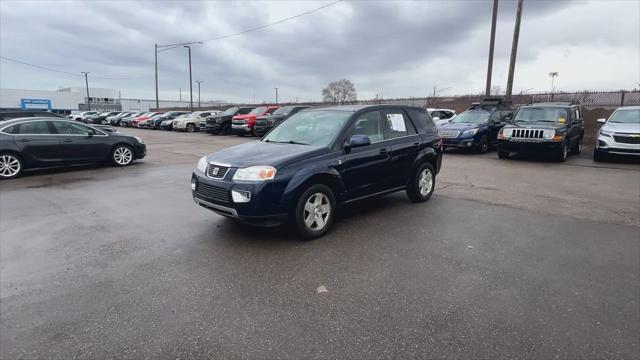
{"x":11,"y":129}
{"x":370,"y":124}
{"x":70,"y":128}
{"x":576,"y":113}
{"x":398,"y":125}
{"x":271,"y":110}
{"x":447,"y":115}
{"x":438,"y":114}
{"x":33,"y":127}
{"x":423,"y":122}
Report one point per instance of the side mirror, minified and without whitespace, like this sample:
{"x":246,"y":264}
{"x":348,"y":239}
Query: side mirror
{"x":357,"y":141}
{"x":91,"y":132}
{"x":602,"y":121}
{"x":436,"y":118}
{"x":507,"y":118}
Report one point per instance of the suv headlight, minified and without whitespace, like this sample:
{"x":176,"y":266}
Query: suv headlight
{"x":549,"y":134}
{"x":202,"y":164}
{"x":255,"y":173}
{"x":470,"y":132}
{"x":606,"y":133}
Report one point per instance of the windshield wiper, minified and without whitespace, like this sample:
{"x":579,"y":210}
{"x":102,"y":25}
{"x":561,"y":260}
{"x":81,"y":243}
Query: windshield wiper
{"x":287,"y":142}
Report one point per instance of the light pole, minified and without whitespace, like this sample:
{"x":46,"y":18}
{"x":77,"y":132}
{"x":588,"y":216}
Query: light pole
{"x":190,"y":80}
{"x":86,"y":81}
{"x":553,"y":76}
{"x":198,"y":81}
{"x":276,"y":95}
{"x":492,"y":42}
{"x":157,"y":101}
{"x":514,"y":50}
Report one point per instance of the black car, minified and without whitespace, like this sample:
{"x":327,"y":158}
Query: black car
{"x":154,"y":123}
{"x":543,"y":128}
{"x":221,"y":123}
{"x":265,"y":123}
{"x":16,"y":114}
{"x":101,"y":118}
{"x":45,"y":142}
{"x":319,"y":158}
{"x":477,"y":127}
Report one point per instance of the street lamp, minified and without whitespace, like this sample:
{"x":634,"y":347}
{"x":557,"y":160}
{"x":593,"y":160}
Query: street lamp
{"x":86,"y":81}
{"x":553,"y":76}
{"x":276,"y":95}
{"x":190,"y":80}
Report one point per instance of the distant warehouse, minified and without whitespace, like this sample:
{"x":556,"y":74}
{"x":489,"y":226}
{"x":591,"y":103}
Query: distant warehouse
{"x":73,"y":99}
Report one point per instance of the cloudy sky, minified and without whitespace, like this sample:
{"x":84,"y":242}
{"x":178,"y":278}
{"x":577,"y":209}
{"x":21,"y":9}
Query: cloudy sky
{"x":392,"y":48}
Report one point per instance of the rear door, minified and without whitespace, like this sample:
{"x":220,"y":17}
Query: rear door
{"x":404,"y":142}
{"x":37,"y":142}
{"x":366,"y":169}
{"x":77,"y":143}
{"x":575,"y":130}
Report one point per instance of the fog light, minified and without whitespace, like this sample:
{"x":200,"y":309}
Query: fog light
{"x":193,"y":184}
{"x":240,"y":196}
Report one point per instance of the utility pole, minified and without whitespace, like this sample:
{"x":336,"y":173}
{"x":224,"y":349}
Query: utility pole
{"x":86,"y":81}
{"x":180,"y":89}
{"x":157,"y":101}
{"x":553,"y":75}
{"x":514,"y":50}
{"x":190,"y":80}
{"x":276,"y":95}
{"x":492,"y":42}
{"x":198,"y":81}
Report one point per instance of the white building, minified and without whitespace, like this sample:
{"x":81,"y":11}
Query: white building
{"x":73,"y":99}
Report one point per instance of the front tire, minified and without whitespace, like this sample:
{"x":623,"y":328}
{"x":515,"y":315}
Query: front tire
{"x":562,"y":154}
{"x":314,"y":211}
{"x":10,"y":166}
{"x":503,"y":154}
{"x":598,"y":156}
{"x":423,"y":183}
{"x":483,"y":147}
{"x":577,"y":148}
{"x":191,"y":128}
{"x":122,"y":155}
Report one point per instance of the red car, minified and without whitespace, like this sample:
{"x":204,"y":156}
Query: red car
{"x":136,"y":122}
{"x":243,"y":124}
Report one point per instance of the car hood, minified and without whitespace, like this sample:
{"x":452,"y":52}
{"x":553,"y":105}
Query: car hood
{"x":622,"y":127}
{"x":536,"y":125}
{"x":244,"y":117}
{"x":264,"y":153}
{"x":458,"y":126}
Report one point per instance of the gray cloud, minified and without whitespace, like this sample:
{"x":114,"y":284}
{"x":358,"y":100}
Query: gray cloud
{"x":399,"y":48}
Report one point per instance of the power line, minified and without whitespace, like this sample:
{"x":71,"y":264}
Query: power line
{"x":66,"y":72}
{"x":254,"y":28}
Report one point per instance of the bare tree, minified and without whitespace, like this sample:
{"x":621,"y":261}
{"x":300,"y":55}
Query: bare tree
{"x":339,"y":91}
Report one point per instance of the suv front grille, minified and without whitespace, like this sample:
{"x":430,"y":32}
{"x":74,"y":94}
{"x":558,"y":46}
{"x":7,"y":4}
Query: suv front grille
{"x":626,"y":138}
{"x":449,"y":133}
{"x":527,"y":134}
{"x":212,"y":192}
{"x":217,"y":171}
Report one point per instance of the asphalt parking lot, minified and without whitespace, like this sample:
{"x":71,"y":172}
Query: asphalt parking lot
{"x":510,"y":258}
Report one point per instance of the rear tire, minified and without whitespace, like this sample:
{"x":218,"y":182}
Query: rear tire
{"x":314,"y":211}
{"x":11,"y":166}
{"x":577,"y":148}
{"x":422,"y":184}
{"x":190,"y":128}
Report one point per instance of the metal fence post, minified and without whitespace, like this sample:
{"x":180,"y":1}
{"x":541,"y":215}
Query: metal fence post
{"x":622,"y":98}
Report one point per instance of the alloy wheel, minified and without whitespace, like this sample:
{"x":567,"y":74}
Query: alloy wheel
{"x":9,"y":166}
{"x":122,"y":156}
{"x":316,"y":211}
{"x":425,"y":182}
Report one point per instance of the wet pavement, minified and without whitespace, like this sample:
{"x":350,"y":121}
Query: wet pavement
{"x":517,"y":258}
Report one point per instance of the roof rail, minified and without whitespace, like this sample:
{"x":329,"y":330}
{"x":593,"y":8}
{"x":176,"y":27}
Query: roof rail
{"x":490,"y":103}
{"x":566,"y":103}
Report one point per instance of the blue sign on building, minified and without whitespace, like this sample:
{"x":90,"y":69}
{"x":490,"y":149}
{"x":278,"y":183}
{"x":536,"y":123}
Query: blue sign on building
{"x":35,"y":104}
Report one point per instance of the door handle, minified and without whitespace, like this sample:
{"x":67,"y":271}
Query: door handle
{"x":23,"y":140}
{"x":67,"y":140}
{"x":384,"y":151}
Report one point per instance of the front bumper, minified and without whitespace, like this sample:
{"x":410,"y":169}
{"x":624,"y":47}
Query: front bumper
{"x":213,"y":128}
{"x":261,"y":129}
{"x":139,"y":151}
{"x":264,"y":208}
{"x":460,"y":142}
{"x":608,"y":145}
{"x":241,"y":128}
{"x":529,"y":146}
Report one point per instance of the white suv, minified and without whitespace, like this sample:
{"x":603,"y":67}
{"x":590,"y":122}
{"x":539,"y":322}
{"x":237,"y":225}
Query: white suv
{"x":620,"y":135}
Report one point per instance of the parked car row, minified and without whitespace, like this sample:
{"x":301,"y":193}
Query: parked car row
{"x":546,"y":128}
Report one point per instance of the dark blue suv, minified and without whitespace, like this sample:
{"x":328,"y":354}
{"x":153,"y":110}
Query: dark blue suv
{"x":317,"y":159}
{"x":477,"y":127}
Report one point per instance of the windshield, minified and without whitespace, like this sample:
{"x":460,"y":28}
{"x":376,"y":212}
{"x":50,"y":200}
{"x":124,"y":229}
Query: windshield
{"x":472,"y":117}
{"x":319,"y":128}
{"x":625,"y":116}
{"x":258,"y":111}
{"x":541,"y":114}
{"x":283,"y":110}
{"x":230,"y":111}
